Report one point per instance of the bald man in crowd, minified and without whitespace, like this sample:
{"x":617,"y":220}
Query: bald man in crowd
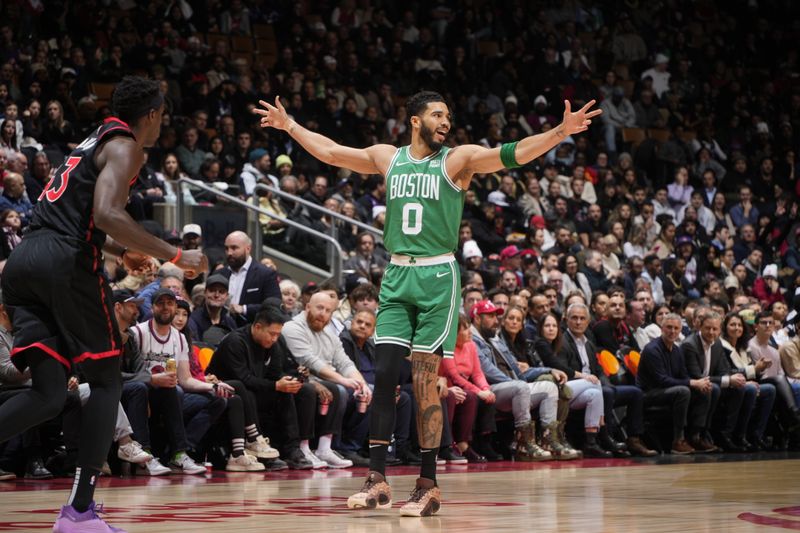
{"x":250,"y":282}
{"x":13,"y":197}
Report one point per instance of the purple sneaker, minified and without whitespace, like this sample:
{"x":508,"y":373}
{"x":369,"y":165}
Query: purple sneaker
{"x":71,"y":521}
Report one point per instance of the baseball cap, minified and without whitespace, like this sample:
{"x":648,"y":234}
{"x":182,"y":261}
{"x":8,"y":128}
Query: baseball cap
{"x":163,"y":292}
{"x":183,"y":304}
{"x":310,"y":288}
{"x":217,"y":279}
{"x":498,"y":198}
{"x":509,"y":252}
{"x":540,"y":100}
{"x":172,"y":236}
{"x":124,"y":296}
{"x":257,"y":154}
{"x":189,"y":229}
{"x":484,"y":307}
{"x":528,"y":254}
{"x":770,"y":271}
{"x":537,"y":221}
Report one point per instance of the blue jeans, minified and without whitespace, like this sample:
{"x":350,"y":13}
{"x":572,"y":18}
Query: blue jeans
{"x":760,"y":411}
{"x":137,"y":396}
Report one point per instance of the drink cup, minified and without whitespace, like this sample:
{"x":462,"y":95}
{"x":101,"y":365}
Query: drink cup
{"x":324,"y":405}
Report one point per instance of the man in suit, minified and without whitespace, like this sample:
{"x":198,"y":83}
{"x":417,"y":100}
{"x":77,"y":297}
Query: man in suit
{"x":584,"y":360}
{"x":665,"y":382}
{"x":253,"y":356}
{"x":705,"y":357}
{"x":250,"y":283}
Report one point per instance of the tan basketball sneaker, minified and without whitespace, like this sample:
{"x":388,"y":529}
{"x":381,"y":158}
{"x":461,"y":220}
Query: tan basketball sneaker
{"x":375,"y":494}
{"x":425,"y":500}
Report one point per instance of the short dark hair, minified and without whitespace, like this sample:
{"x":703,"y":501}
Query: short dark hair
{"x":133,"y":97}
{"x":270,"y":314}
{"x":364,"y":291}
{"x":417,"y":103}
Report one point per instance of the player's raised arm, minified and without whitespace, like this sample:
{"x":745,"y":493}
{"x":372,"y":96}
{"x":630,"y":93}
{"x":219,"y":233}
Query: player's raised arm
{"x":372,"y":160}
{"x":473,"y":159}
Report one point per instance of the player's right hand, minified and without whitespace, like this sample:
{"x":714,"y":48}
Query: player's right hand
{"x":193,"y":263}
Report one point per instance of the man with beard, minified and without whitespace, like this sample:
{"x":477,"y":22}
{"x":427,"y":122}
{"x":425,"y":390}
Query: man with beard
{"x":213,"y":312}
{"x":249,"y":282}
{"x":159,"y":341}
{"x":425,"y":184}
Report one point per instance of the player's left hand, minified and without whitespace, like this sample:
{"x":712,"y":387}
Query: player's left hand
{"x":274,"y":116}
{"x":134,"y":260}
{"x":579,"y":120}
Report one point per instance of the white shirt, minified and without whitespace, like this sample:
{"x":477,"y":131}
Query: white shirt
{"x":236,"y":281}
{"x":581,"y":344}
{"x":156,"y":350}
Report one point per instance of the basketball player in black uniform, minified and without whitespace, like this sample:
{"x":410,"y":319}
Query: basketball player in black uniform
{"x":59,"y":298}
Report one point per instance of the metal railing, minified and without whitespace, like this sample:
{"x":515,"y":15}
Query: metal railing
{"x":335,"y":248}
{"x":334,"y":229}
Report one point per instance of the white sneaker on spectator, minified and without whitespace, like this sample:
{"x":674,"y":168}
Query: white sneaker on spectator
{"x":316,"y":462}
{"x":333,"y":459}
{"x":155,"y":468}
{"x":243,"y":463}
{"x":260,"y":448}
{"x":183,"y":464}
{"x":106,"y":469}
{"x":133,"y":453}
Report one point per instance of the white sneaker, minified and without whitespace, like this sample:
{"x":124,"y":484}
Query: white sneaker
{"x":183,"y":464}
{"x":133,"y":453}
{"x":155,"y":468}
{"x":106,"y":469}
{"x":243,"y":463}
{"x":316,"y":462}
{"x":333,"y":459}
{"x":260,"y":448}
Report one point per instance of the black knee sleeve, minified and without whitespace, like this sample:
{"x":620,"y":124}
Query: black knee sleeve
{"x":388,"y":362}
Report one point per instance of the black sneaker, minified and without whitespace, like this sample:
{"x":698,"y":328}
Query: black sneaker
{"x":407,"y":455}
{"x":274,"y":465}
{"x":474,"y":457}
{"x":297,"y":461}
{"x":452,"y":456}
{"x":484,"y":447}
{"x":357,"y":458}
{"x":36,"y":470}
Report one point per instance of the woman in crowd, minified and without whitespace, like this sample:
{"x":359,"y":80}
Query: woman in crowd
{"x":573,"y":279}
{"x":169,"y":175}
{"x":664,"y":245}
{"x":513,"y":345}
{"x":586,"y":390}
{"x":734,"y":340}
{"x":58,"y":132}
{"x":471,"y":397}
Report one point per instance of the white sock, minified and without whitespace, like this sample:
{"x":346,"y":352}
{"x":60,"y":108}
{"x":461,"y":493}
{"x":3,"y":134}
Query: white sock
{"x":325,"y":443}
{"x":304,"y":446}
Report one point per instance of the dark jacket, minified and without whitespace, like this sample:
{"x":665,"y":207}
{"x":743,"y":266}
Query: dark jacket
{"x":349,"y":345}
{"x":597,"y":280}
{"x":238,"y":357}
{"x":612,"y":338}
{"x":568,"y":359}
{"x":260,"y":283}
{"x":132,"y":366}
{"x":695,"y":358}
{"x":660,"y":368}
{"x":200,"y":322}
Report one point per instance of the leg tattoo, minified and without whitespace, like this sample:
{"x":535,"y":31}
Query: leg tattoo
{"x":425,"y":371}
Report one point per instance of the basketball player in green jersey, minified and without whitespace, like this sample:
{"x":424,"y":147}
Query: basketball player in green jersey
{"x":418,"y":311}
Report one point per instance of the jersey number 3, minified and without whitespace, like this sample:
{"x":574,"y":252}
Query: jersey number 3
{"x":53,"y":193}
{"x":412,"y":227}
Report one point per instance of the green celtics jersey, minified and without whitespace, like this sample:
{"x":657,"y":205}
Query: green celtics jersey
{"x":423,"y":206}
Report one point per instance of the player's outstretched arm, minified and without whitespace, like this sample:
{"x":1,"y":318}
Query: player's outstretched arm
{"x":120,"y":160}
{"x":371,"y":160}
{"x":471,"y":159}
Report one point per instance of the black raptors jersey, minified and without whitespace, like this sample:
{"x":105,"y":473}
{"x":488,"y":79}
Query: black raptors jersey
{"x":66,"y":205}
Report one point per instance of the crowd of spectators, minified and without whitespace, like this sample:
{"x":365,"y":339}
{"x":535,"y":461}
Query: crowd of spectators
{"x":667,"y":231}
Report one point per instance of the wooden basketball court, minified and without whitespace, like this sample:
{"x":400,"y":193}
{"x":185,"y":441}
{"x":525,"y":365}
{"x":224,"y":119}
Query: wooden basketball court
{"x":691,"y":494}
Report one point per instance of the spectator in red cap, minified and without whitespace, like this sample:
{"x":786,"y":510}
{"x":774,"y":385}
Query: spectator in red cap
{"x":512,"y":261}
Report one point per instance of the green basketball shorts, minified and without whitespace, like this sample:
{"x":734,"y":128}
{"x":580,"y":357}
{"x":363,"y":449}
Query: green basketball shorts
{"x":419,"y":304}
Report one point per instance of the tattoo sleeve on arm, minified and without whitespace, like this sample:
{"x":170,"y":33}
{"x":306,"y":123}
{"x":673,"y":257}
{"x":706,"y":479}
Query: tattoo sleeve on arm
{"x":424,"y":371}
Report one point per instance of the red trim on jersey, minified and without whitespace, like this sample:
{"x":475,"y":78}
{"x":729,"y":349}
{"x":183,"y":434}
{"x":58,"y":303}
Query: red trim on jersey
{"x":117,"y":120}
{"x":46,"y":349}
{"x":95,"y":356}
{"x":95,"y":263}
